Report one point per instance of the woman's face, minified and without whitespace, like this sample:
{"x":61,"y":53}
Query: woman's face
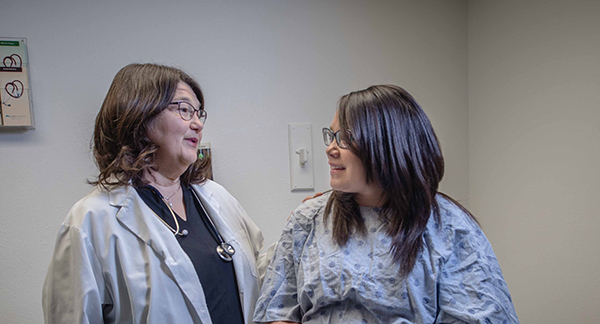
{"x":177,"y":139}
{"x":348,"y":173}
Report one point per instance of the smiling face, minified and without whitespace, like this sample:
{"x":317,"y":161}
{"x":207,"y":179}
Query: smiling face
{"x":348,"y":173}
{"x":177,"y":139}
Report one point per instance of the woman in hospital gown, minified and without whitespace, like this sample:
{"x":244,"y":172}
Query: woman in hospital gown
{"x":384,"y":246}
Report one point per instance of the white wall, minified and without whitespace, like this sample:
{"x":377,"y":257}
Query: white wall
{"x":262,"y":64}
{"x":534,"y":146}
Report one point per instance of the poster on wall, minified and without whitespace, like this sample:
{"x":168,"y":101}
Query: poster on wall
{"x":203,"y":153}
{"x":14,"y":83}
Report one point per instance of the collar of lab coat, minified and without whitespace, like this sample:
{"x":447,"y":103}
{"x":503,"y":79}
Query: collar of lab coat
{"x":135,"y":215}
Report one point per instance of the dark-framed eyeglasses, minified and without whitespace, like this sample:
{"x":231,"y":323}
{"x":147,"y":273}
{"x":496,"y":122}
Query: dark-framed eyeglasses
{"x":343,"y":139}
{"x":187,"y":111}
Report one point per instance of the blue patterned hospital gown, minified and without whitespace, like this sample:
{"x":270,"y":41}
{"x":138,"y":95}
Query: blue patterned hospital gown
{"x":456,"y":278}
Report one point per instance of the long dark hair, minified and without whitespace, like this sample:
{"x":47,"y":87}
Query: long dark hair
{"x":396,"y":143}
{"x":122,"y":150}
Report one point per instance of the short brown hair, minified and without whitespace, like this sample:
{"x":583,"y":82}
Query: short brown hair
{"x":122,"y":150}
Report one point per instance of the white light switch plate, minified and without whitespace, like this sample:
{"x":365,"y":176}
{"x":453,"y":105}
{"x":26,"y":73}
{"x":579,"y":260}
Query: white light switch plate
{"x":300,"y":137}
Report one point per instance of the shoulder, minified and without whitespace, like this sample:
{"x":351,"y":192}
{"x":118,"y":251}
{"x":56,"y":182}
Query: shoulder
{"x":304,"y":215}
{"x":218,"y":197}
{"x":458,"y":234}
{"x":210,"y":187}
{"x":452,"y":216}
{"x":97,"y":205}
{"x":312,"y":207}
{"x":220,"y":200}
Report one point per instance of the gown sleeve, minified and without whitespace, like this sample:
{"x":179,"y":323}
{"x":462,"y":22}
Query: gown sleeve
{"x":472,"y":288}
{"x":72,"y":292}
{"x":278,"y":300}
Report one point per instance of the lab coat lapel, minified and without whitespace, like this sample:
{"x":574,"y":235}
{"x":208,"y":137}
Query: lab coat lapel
{"x":136,"y":216}
{"x":219,"y":218}
{"x":213,"y":207}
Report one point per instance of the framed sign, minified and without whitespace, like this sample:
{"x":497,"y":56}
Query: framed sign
{"x":15,"y":94}
{"x":204,"y":152}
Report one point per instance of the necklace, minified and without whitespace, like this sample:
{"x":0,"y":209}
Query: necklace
{"x":168,"y":202}
{"x":175,"y":230}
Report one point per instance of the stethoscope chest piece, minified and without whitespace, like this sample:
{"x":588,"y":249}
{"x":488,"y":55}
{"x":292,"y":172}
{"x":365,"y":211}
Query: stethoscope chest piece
{"x":225,"y":251}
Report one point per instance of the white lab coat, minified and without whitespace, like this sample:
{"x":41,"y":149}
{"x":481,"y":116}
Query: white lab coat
{"x":116,"y":262}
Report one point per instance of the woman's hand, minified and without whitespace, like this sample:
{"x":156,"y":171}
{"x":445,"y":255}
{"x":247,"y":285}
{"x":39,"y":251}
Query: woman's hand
{"x":303,"y":200}
{"x":315,"y":196}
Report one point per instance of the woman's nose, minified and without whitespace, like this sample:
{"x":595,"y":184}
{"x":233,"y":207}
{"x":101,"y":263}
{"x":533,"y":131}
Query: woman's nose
{"x":332,"y":149}
{"x":196,"y":124}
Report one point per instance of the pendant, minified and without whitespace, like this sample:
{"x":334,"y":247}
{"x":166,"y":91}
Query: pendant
{"x":225,"y":251}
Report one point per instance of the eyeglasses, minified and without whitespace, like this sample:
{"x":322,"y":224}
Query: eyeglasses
{"x":187,"y":111}
{"x":343,"y":139}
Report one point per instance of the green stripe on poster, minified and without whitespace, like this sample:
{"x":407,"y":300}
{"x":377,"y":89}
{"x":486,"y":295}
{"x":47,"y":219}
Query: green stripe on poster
{"x":9,"y":43}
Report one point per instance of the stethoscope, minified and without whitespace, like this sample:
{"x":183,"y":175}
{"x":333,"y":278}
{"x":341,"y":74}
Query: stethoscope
{"x":224,"y":250}
{"x":13,"y":89}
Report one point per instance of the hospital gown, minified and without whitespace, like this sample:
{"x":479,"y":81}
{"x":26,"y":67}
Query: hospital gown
{"x":456,"y":278}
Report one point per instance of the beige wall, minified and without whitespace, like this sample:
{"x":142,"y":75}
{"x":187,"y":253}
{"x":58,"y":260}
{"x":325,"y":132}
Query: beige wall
{"x":261,"y":63}
{"x":525,"y":152}
{"x":534,"y":151}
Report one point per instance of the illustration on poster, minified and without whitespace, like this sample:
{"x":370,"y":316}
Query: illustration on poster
{"x":12,"y":61}
{"x":13,"y":89}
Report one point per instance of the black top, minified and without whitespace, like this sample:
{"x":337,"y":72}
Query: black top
{"x":217,"y":276}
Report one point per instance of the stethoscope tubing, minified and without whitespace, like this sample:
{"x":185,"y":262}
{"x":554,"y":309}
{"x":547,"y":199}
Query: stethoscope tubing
{"x":224,"y":250}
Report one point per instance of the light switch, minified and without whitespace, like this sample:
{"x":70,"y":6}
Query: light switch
{"x":301,"y":160}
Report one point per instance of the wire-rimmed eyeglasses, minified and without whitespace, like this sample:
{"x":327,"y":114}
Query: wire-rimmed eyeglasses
{"x":343,"y":139}
{"x":187,"y":111}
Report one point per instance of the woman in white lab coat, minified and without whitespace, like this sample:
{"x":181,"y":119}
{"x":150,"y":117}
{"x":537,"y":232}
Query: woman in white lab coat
{"x":155,"y":241}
